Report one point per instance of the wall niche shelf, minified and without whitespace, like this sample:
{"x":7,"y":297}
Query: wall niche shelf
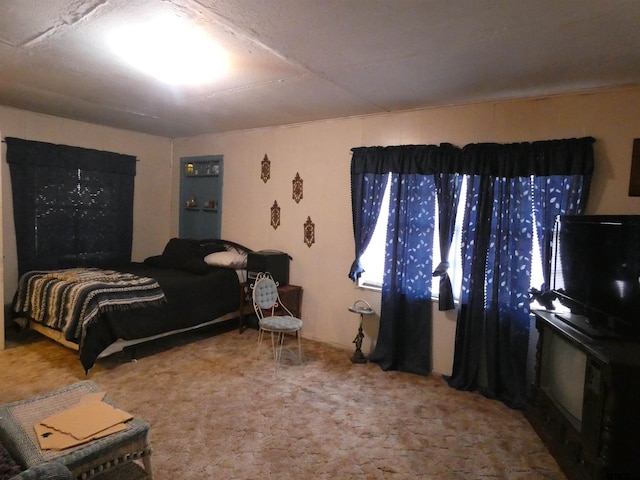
{"x":201,"y":168}
{"x":198,"y":209}
{"x":201,"y":196}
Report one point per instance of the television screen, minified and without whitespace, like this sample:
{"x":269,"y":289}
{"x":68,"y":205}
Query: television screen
{"x":596,"y":270}
{"x":562,"y":375}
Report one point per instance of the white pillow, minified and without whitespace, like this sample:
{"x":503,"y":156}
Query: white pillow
{"x":230,"y":258}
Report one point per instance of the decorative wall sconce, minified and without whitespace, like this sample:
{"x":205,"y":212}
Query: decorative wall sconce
{"x":265,"y":170}
{"x":275,"y":215}
{"x":297,"y":188}
{"x":309,"y":232}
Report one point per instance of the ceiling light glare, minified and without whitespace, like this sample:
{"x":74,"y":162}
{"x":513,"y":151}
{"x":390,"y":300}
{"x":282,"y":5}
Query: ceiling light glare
{"x":171,"y":50}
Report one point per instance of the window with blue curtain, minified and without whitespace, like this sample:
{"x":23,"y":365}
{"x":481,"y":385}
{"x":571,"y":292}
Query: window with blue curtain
{"x":404,"y":338}
{"x":73,"y":207}
{"x":513,"y":192}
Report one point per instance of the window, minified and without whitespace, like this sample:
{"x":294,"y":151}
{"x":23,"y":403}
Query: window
{"x":373,"y":257}
{"x":73,"y":207}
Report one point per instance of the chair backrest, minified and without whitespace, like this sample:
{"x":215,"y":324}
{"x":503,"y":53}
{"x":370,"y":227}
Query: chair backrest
{"x":265,"y":294}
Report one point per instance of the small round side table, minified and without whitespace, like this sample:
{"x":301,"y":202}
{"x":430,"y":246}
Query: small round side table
{"x":362,"y":308}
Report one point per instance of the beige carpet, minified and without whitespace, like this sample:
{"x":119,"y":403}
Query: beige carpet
{"x":218,"y":412}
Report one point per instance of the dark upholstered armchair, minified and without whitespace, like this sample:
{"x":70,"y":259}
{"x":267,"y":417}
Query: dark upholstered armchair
{"x":45,"y":471}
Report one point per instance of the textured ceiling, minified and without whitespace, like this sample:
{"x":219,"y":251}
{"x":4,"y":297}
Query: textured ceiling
{"x":303,"y":60}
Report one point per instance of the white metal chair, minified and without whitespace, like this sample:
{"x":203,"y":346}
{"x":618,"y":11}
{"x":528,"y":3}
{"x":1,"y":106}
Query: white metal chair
{"x":273,"y":316}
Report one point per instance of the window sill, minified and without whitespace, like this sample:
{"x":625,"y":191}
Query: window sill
{"x":373,"y":288}
{"x":369,"y":287}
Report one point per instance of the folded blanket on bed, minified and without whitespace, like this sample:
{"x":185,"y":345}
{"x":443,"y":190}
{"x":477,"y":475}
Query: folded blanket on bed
{"x":69,"y":300}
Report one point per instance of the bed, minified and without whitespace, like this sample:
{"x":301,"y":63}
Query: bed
{"x":98,"y":312}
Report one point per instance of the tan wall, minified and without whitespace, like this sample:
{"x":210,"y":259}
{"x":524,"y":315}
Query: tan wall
{"x":320,"y":152}
{"x":152,"y":184}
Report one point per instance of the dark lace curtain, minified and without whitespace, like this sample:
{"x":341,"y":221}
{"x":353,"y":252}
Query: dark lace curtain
{"x":72,"y":206}
{"x":507,"y":184}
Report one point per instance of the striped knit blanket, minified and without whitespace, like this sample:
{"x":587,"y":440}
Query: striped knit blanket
{"x":69,"y":300}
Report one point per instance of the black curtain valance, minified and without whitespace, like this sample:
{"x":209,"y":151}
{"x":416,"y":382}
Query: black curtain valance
{"x":548,"y":157}
{"x":405,"y":159}
{"x":28,"y":152}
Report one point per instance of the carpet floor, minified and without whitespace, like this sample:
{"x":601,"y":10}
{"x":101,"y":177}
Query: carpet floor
{"x":217,"y":411}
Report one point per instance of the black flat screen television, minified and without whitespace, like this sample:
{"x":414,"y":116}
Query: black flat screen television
{"x":595,"y":273}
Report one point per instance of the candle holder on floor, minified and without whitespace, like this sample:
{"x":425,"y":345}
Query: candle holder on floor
{"x":362,"y":308}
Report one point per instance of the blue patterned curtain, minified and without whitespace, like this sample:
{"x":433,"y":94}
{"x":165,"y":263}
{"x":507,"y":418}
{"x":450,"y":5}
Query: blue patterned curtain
{"x":555,"y":195}
{"x":404,"y":338}
{"x":494,"y":316}
{"x":367,"y":192}
{"x":510,"y":183}
{"x":507,"y":184}
{"x":448,"y":188}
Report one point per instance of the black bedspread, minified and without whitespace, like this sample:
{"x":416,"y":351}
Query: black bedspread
{"x":192,"y":299}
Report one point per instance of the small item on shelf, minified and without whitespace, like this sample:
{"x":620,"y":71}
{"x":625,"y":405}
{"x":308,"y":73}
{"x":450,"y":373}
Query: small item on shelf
{"x":192,"y":202}
{"x":211,"y":204}
{"x":189,"y":168}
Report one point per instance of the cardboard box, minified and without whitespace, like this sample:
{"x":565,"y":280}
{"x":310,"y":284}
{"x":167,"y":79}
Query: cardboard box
{"x":90,"y":419}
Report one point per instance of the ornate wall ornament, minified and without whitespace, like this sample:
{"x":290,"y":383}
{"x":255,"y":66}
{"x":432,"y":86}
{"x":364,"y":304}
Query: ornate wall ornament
{"x":275,"y":215}
{"x":265,"y":170}
{"x":297,"y":188}
{"x":309,"y":232}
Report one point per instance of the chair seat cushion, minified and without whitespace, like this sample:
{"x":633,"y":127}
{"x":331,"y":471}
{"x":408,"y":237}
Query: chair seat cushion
{"x":281,"y":323}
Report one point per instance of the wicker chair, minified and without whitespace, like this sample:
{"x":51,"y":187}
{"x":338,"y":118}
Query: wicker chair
{"x":104,"y":458}
{"x":274,"y":317}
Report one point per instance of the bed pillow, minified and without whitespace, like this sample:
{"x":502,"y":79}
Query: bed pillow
{"x":194,"y":265}
{"x":155,"y":261}
{"x":231,"y":258}
{"x":180,"y":254}
{"x":180,"y":249}
{"x":210,"y":247}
